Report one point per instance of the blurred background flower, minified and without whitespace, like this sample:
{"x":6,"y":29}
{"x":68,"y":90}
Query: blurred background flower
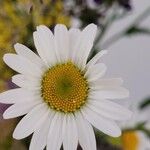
{"x":118,"y":21}
{"x":18,"y":20}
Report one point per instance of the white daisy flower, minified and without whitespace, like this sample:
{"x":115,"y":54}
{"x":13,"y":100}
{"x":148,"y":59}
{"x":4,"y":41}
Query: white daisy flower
{"x":135,"y":140}
{"x":62,"y":94}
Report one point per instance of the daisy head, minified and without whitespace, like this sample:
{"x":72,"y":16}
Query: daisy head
{"x":62,"y":94}
{"x":135,"y":140}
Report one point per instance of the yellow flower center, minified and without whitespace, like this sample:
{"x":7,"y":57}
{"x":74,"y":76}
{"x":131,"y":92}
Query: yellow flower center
{"x":64,"y":87}
{"x":130,"y":140}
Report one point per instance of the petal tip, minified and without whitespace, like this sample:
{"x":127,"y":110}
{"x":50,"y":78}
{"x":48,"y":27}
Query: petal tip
{"x":5,"y":116}
{"x":16,"y":45}
{"x":40,"y":27}
{"x":6,"y":57}
{"x":16,"y":135}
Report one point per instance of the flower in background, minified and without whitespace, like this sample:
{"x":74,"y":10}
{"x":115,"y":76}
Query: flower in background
{"x":48,"y":12}
{"x":61,"y":93}
{"x":135,"y":140}
{"x":136,"y":132}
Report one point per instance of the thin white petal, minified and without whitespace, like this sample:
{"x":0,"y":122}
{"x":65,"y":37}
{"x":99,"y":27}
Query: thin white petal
{"x":26,"y":82}
{"x":29,"y":54}
{"x":22,"y":65}
{"x":110,"y":93}
{"x":86,"y":134}
{"x":16,"y":96}
{"x":19,"y":109}
{"x":74,"y":37}
{"x":70,"y":138}
{"x":106,"y":82}
{"x":110,"y":109}
{"x":39,"y":138}
{"x":95,"y":72}
{"x":31,"y":121}
{"x":86,"y":43}
{"x":54,"y":140}
{"x":107,"y":126}
{"x":44,"y":43}
{"x":62,"y":42}
{"x":95,"y":59}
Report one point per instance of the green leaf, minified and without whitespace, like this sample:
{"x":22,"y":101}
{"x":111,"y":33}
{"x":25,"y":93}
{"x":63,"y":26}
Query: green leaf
{"x":145,"y":103}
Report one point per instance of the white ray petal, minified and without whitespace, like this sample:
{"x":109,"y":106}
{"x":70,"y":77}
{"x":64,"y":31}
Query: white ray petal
{"x":54,"y":141}
{"x":47,"y":47}
{"x":107,"y":126}
{"x":95,"y":59}
{"x":17,"y":95}
{"x":62,"y":42}
{"x":41,"y":48}
{"x":31,"y":121}
{"x":110,"y":93}
{"x":74,"y":37}
{"x":85,"y":133}
{"x":106,"y":82}
{"x":39,"y":138}
{"x":22,"y":65}
{"x":70,"y":138}
{"x":29,"y":54}
{"x":19,"y":109}
{"x":144,"y":141}
{"x":109,"y":109}
{"x":26,"y":82}
{"x":86,"y":43}
{"x":95,"y":72}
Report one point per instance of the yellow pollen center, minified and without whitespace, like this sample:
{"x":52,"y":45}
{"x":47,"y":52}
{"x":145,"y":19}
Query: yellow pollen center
{"x":130,"y":140}
{"x":64,"y":87}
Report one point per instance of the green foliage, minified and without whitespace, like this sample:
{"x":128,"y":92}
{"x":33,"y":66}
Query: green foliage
{"x":137,"y":30}
{"x":145,"y":103}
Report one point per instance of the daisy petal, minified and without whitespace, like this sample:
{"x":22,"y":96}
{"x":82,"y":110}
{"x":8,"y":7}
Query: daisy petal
{"x":19,"y":109}
{"x":22,"y":65}
{"x":31,"y":121}
{"x":29,"y":54}
{"x":39,"y":138}
{"x":86,"y":134}
{"x":70,"y":138}
{"x":110,"y":109}
{"x":86,"y":43}
{"x":95,"y":59}
{"x":16,"y":96}
{"x":74,"y":36}
{"x":95,"y":72}
{"x":54,"y":140}
{"x":62,"y":42}
{"x":44,"y":42}
{"x":107,"y":126}
{"x":106,"y":82}
{"x":110,"y":93}
{"x":144,"y":141}
{"x":22,"y":81}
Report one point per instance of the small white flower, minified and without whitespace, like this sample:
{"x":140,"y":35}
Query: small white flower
{"x":61,"y":93}
{"x":135,"y":140}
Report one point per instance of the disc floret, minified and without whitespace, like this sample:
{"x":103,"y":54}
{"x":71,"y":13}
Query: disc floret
{"x":64,"y":87}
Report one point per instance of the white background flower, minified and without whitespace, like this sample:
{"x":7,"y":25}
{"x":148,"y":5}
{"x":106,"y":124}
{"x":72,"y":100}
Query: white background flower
{"x":135,"y":140}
